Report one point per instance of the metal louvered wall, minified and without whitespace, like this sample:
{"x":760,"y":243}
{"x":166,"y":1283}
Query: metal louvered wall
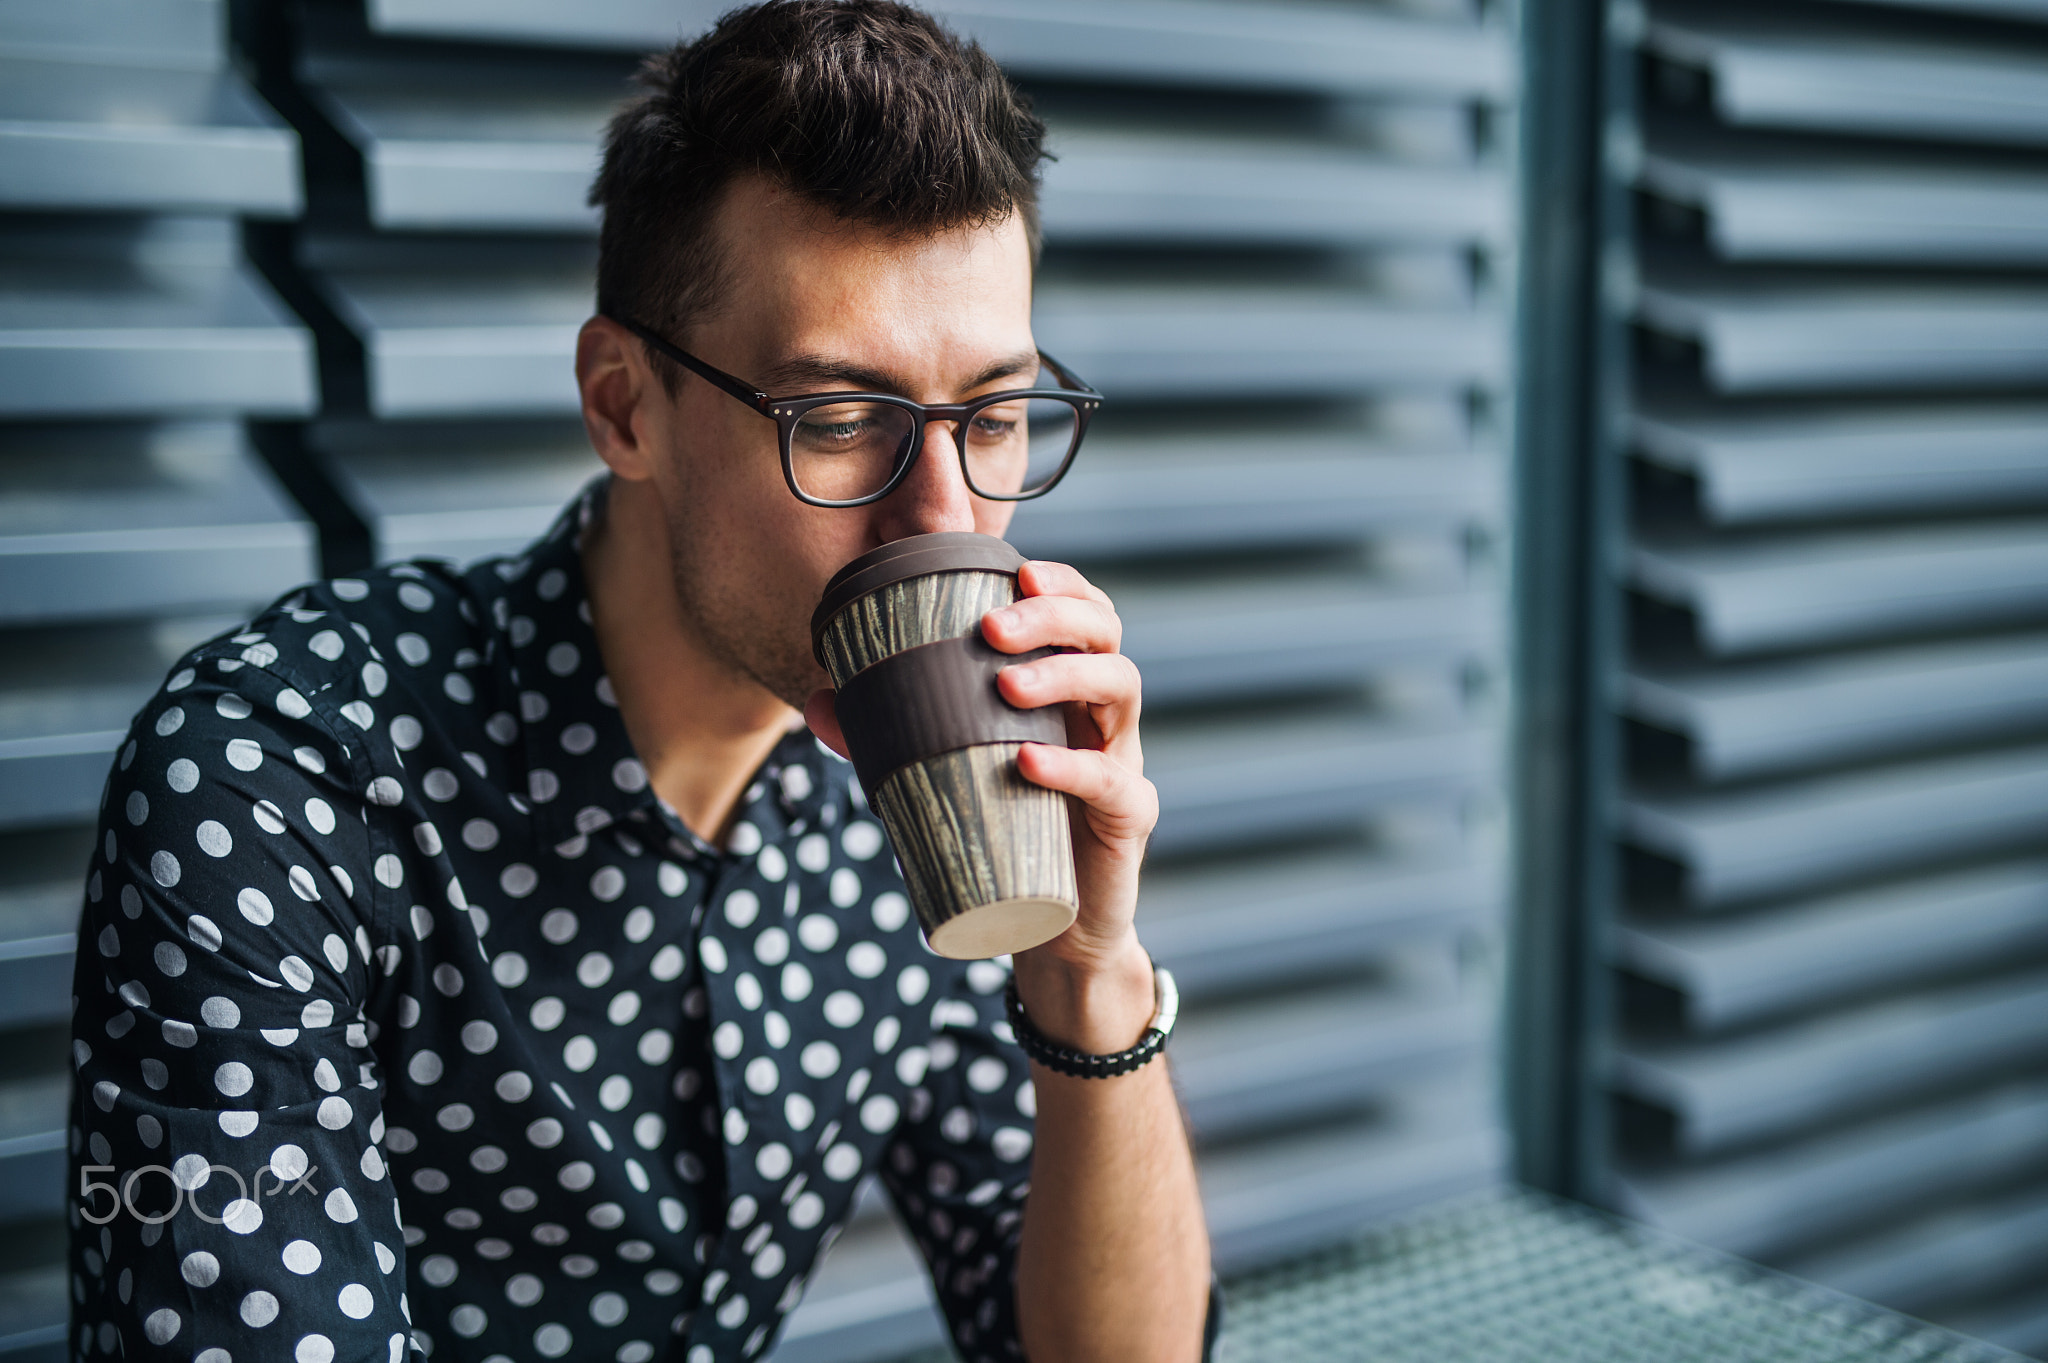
{"x":1833,"y":946}
{"x":135,"y":517}
{"x":1279,"y":237}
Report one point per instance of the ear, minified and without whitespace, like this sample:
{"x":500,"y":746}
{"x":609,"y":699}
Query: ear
{"x":616,"y":383}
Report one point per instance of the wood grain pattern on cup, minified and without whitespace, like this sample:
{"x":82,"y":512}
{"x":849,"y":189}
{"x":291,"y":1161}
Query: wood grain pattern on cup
{"x":987,"y":856}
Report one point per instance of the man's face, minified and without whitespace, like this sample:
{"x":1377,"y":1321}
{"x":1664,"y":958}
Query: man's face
{"x":812,"y":304}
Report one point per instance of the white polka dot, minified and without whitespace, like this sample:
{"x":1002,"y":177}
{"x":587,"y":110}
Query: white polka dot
{"x":244,"y":754}
{"x":242,"y":1217}
{"x":547,"y":1014}
{"x":447,"y":979}
{"x":162,"y":1325}
{"x":310,"y":760}
{"x":340,"y":1207}
{"x":314,"y":1349}
{"x":711,"y":952}
{"x":667,"y":963}
{"x":355,"y":1300}
{"x":842,"y":1162}
{"x":200,"y":1269}
{"x":563,"y":658}
{"x":913,"y":983}
{"x":558,"y":925}
{"x":334,"y":1113}
{"x":169,"y":722}
{"x":509,"y":969}
{"x":348,"y":589}
{"x":181,"y":1034}
{"x":231,"y":706}
{"x":576,"y":1175}
{"x":624,"y":1007}
{"x":296,"y":973}
{"x":234,"y":1079}
{"x":890,"y":911}
{"x":807,"y":1211}
{"x":237,"y":1123}
{"x":817,"y":932}
{"x":413,"y":648}
{"x":819,"y":1059}
{"x":414,"y":597}
{"x":842,"y":1008}
{"x":579,"y":1053}
{"x":727,"y":1039}
{"x":866,"y":960}
{"x":762,"y":1075}
{"x":615,"y":1092}
{"x":742,"y":907}
{"x":438,"y":1269}
{"x":878,"y":1114}
{"x":844,"y":887}
{"x":861,"y":840}
{"x":164,"y":869}
{"x":629,"y":776}
{"x":469,"y":1321}
{"x":182,"y":775}
{"x":594,"y":969}
{"x":424,"y":1067}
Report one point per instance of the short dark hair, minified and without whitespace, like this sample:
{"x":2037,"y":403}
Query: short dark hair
{"x":867,"y":108}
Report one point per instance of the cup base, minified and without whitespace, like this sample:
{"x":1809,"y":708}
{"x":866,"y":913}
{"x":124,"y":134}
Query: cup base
{"x":1001,"y":927}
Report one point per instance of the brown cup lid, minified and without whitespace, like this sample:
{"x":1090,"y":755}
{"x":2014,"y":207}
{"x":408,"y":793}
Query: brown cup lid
{"x":947,"y":551}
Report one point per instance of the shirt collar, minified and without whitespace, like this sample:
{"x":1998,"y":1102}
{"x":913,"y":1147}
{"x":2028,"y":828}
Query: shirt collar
{"x":581,"y":772}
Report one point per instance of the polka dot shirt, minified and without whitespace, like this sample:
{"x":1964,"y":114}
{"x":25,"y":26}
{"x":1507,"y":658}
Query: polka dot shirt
{"x":407,"y":1017}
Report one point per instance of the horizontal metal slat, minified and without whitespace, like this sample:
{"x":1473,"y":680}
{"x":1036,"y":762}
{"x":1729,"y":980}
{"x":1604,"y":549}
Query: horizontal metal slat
{"x":142,"y":316}
{"x":1838,"y":462}
{"x":1204,"y":341}
{"x":457,"y":492}
{"x":1765,"y":205}
{"x":453,"y":149}
{"x":872,"y":1301}
{"x":1298,"y":631}
{"x":1262,"y":1066}
{"x":129,"y":519}
{"x":454,"y":341}
{"x":121,"y":137}
{"x":1230,"y":782}
{"x":42,"y":881}
{"x":1280,"y":915}
{"x":1778,"y":337}
{"x":188,"y":35}
{"x":1727,"y":1092}
{"x":1947,"y":1257}
{"x":1760,"y":1205}
{"x":1170,"y":493}
{"x":1279,"y":1198}
{"x":2018,"y":1322}
{"x":1783,"y":715}
{"x":1837,"y":586}
{"x":1296,"y":47}
{"x":66,"y":697}
{"x":1734,"y":971}
{"x":1802,"y":834}
{"x":1794,"y":71}
{"x":33,"y":1311}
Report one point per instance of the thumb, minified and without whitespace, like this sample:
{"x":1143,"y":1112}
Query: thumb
{"x":823,"y":719}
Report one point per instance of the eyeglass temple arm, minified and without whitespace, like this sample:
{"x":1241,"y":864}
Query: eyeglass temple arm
{"x":718,"y":378}
{"x":1066,"y":376}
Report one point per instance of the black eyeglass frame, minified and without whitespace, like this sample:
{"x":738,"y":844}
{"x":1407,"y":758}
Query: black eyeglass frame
{"x":786,"y":412}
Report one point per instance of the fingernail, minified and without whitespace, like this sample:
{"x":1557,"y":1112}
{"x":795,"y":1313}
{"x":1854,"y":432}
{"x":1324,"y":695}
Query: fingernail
{"x":1004,"y":615}
{"x":1024,"y":673}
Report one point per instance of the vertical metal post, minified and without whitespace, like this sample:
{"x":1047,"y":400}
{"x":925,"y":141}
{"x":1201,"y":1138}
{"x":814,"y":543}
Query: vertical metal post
{"x":1569,"y":528}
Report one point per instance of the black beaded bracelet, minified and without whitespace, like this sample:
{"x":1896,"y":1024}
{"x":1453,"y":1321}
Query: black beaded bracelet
{"x":1083,"y":1064}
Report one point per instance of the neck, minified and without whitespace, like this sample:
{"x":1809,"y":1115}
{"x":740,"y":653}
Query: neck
{"x":700,"y":727}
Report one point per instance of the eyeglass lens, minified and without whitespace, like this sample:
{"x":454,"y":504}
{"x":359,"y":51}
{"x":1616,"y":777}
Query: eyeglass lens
{"x":848,"y":450}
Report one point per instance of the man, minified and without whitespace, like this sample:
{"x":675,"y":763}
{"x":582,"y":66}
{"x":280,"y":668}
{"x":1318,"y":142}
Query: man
{"x":490,"y":956}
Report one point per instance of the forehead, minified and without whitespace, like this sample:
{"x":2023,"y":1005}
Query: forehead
{"x":807,"y":277}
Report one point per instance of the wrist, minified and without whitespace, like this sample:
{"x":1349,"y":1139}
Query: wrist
{"x":1101,"y":1005}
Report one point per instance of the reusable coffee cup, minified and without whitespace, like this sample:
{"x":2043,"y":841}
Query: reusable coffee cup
{"x":987,"y":856}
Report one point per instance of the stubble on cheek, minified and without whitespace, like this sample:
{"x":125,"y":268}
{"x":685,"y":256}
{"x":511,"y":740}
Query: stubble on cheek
{"x":747,"y":614}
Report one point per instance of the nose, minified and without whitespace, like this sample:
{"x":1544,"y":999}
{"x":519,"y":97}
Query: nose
{"x":933,"y":495}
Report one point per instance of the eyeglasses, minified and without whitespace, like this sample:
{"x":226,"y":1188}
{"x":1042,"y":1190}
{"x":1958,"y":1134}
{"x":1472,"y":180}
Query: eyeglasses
{"x":850,"y":449}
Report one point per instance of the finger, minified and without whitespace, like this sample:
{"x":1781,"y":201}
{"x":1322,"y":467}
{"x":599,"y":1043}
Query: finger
{"x":1121,"y":803}
{"x":1040,"y":577}
{"x":822,"y":715}
{"x":1109,"y":680}
{"x":1055,"y":622}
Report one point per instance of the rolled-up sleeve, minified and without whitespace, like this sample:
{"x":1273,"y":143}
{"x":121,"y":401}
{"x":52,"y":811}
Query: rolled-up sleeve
{"x":229,"y":1190}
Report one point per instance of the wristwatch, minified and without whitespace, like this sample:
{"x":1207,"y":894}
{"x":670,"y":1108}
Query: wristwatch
{"x":1082,"y":1064}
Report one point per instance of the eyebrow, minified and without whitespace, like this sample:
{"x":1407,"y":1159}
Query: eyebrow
{"x":822,"y":373}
